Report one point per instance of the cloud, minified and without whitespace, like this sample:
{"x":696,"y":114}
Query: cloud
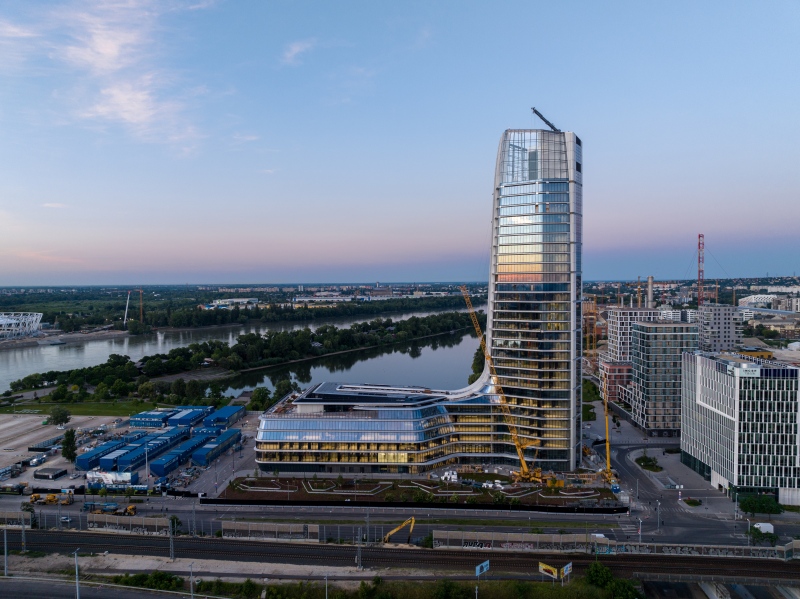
{"x":111,"y":56}
{"x":267,"y":171}
{"x":293,"y":52}
{"x":245,"y":138}
{"x":54,"y":205}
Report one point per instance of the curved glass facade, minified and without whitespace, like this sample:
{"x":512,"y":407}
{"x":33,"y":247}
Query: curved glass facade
{"x":533,"y":333}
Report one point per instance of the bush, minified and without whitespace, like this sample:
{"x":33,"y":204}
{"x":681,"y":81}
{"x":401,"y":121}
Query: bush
{"x":599,"y":575}
{"x":161,"y":581}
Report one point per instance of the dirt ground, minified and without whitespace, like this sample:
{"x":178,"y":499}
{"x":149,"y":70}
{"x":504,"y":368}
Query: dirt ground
{"x":19,"y":431}
{"x":204,"y":569}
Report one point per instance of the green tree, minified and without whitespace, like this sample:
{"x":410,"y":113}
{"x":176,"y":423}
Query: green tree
{"x":599,"y":575}
{"x":260,"y":399}
{"x":101,"y":392}
{"x":178,"y":388}
{"x":622,"y":589}
{"x":478,"y":362}
{"x":59,"y":416}
{"x":175,"y":524}
{"x":119,"y":388}
{"x":147,"y":390}
{"x":195,"y":390}
{"x":68,"y":447}
{"x":760,"y":504}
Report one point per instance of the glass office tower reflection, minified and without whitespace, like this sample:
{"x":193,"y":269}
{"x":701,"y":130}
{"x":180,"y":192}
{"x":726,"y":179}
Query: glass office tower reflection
{"x":533,"y":332}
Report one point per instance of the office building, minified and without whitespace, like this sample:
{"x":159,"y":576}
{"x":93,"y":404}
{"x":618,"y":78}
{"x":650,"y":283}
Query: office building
{"x":533,"y":334}
{"x":654,"y":393}
{"x":720,"y":328}
{"x":615,"y":363}
{"x":740,"y":424}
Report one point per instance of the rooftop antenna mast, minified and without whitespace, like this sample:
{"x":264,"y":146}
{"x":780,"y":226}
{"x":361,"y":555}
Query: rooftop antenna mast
{"x":546,"y":122}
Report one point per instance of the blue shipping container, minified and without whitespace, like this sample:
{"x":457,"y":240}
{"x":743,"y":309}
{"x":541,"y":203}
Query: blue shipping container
{"x":173,"y":460}
{"x":225,"y":416}
{"x":211,"y":451}
{"x":91,"y":459}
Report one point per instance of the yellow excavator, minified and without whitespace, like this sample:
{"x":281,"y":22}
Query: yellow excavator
{"x":408,"y":522}
{"x":525,"y":473}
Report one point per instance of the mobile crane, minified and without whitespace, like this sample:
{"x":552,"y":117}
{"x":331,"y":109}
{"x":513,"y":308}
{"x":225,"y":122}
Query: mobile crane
{"x":525,"y":473}
{"x":408,"y":522}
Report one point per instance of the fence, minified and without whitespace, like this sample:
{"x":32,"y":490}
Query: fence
{"x":132,"y":524}
{"x":586,"y":543}
{"x":271,"y":531}
{"x":15,"y":519}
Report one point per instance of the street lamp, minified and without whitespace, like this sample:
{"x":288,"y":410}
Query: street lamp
{"x":326,"y":586}
{"x":640,"y":530}
{"x":748,"y":531}
{"x":191,"y":579}
{"x":77,"y":580}
{"x":658,"y":515}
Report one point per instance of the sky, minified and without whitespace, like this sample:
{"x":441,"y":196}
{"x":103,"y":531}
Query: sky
{"x":190,"y":141}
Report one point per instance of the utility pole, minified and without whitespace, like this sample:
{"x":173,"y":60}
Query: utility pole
{"x":5,"y":552}
{"x":194,"y":522}
{"x":171,"y":544}
{"x":326,"y":586}
{"x":23,"y":530}
{"x":358,"y":555}
{"x":77,"y":578}
{"x":191,"y":580}
{"x":658,"y":515}
{"x":640,"y":531}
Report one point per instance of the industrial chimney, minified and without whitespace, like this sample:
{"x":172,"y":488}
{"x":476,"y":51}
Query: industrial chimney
{"x":651,"y":304}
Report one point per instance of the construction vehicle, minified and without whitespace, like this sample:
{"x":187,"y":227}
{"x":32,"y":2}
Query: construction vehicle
{"x":410,"y":522}
{"x":67,"y":499}
{"x":51,"y":499}
{"x":128,"y":511}
{"x":525,"y":474}
{"x":36,"y":498}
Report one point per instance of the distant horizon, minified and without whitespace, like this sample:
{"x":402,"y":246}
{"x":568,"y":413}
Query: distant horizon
{"x":125,"y":286}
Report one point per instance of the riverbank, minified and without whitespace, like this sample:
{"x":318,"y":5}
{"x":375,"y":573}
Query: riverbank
{"x":62,"y":339}
{"x":350,"y":351}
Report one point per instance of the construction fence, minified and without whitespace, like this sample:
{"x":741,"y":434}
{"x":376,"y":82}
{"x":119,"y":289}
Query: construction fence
{"x":131,"y":524}
{"x":588,"y":543}
{"x":271,"y":531}
{"x":15,"y":519}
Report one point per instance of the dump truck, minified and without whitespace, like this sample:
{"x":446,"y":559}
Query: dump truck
{"x":128,"y":511}
{"x":51,"y":499}
{"x":36,"y":498}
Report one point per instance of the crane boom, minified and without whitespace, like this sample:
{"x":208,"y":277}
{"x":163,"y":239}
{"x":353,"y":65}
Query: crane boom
{"x":408,"y":522}
{"x":524,"y":470}
{"x":546,"y":122}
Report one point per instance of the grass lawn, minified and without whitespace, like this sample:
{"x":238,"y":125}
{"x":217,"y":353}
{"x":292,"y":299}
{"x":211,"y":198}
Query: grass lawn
{"x":693,"y":502}
{"x":648,"y":463}
{"x":106,"y":408}
{"x":588,"y":413}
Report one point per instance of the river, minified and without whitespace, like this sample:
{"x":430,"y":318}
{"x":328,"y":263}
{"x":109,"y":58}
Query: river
{"x":18,"y":363}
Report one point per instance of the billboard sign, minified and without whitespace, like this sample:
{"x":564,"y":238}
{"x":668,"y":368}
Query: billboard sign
{"x":482,"y":568}
{"x":548,"y":570}
{"x":566,"y":570}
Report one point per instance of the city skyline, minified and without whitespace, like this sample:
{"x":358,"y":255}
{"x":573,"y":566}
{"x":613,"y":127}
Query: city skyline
{"x":195,"y":142}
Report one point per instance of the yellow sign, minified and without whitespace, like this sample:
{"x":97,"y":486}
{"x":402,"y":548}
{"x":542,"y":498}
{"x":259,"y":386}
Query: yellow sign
{"x":548,"y":570}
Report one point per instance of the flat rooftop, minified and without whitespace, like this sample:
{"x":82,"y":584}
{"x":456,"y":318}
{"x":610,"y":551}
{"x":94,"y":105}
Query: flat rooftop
{"x":345,"y":393}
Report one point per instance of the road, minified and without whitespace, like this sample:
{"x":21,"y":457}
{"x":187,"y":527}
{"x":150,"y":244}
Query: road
{"x":60,"y":589}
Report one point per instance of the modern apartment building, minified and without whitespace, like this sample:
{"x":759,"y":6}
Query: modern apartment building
{"x":740,"y":419}
{"x":615,"y":363}
{"x":654,"y":393}
{"x":533,"y":334}
{"x":720,"y":327}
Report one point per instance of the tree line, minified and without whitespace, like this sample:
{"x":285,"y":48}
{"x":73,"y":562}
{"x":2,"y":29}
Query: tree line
{"x":120,"y":377}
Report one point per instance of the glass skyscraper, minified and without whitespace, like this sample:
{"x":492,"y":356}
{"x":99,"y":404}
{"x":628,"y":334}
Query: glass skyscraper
{"x":534,"y":328}
{"x":533,"y":332}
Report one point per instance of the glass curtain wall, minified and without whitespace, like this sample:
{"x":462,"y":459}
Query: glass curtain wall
{"x":535,"y":290}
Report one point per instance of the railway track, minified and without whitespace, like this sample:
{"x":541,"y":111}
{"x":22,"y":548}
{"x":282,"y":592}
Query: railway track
{"x":387,"y":557}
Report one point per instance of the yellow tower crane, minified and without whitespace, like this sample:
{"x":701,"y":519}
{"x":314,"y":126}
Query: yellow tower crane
{"x":525,"y":473}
